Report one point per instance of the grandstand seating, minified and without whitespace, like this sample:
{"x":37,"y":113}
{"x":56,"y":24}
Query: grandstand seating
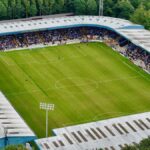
{"x":130,"y":40}
{"x":111,"y":134}
{"x":83,"y":34}
{"x":13,"y":129}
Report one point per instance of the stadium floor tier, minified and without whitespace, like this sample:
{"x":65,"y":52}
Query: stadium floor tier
{"x":86,"y":82}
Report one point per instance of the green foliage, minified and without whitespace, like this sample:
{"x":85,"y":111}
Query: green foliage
{"x":136,"y":10}
{"x":33,"y":8}
{"x":129,"y":147}
{"x":142,"y":16}
{"x":108,"y":5}
{"x":143,"y":145}
{"x":3,"y":10}
{"x":86,"y":7}
{"x":123,"y":9}
{"x":15,"y":147}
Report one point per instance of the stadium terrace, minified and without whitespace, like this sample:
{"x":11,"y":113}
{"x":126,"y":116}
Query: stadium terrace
{"x":123,"y":27}
{"x":131,"y":40}
{"x":111,"y":134}
{"x":13,"y":129}
{"x":128,"y":39}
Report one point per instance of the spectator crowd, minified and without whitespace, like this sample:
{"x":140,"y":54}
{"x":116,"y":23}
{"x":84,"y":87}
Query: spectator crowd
{"x":83,"y":34}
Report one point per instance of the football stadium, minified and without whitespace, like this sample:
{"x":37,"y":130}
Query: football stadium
{"x":93,"y":71}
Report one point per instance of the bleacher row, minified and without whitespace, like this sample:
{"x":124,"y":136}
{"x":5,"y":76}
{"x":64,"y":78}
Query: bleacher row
{"x":131,"y":40}
{"x":121,"y":26}
{"x":111,"y":134}
{"x":137,"y":36}
{"x":13,"y":129}
{"x":7,"y":27}
{"x":135,"y":53}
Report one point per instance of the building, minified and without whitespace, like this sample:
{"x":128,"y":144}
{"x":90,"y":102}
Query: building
{"x":133,"y":32}
{"x":111,"y":134}
{"x":13,"y":129}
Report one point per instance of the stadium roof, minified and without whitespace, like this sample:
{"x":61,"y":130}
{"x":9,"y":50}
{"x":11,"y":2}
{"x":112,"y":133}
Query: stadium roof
{"x":111,"y":134}
{"x":12,"y":125}
{"x":135,"y":33}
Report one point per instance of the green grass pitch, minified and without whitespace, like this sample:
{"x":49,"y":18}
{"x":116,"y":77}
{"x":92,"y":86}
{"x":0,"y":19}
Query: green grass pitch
{"x":86,"y":82}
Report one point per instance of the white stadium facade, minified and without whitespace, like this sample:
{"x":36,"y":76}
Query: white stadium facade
{"x":110,"y":134}
{"x":13,"y":129}
{"x":135,"y":33}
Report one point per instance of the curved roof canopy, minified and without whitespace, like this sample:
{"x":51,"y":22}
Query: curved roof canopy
{"x":107,"y":134}
{"x":135,"y":33}
{"x":12,"y":126}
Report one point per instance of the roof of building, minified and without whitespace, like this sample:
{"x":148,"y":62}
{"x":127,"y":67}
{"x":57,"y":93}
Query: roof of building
{"x":111,"y":134}
{"x":135,"y":33}
{"x":44,"y":23}
{"x":38,"y":17}
{"x":12,"y":125}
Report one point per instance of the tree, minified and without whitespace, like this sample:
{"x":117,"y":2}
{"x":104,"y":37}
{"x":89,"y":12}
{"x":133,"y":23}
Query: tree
{"x":108,"y":5}
{"x":141,"y":16}
{"x":86,"y":7}
{"x":12,"y":8}
{"x":143,"y":145}
{"x":15,"y":147}
{"x":129,"y":147}
{"x":33,"y":8}
{"x":135,"y":3}
{"x":123,"y":9}
{"x":3,"y":10}
{"x":40,"y":6}
{"x":26,"y":4}
{"x":147,"y":22}
{"x":58,"y":6}
{"x":19,"y":9}
{"x":137,"y":11}
{"x":69,"y":6}
{"x":92,"y":7}
{"x":51,"y":4}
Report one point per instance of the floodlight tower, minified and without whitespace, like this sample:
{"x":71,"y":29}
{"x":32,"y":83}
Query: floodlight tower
{"x":101,"y":7}
{"x":47,"y":108}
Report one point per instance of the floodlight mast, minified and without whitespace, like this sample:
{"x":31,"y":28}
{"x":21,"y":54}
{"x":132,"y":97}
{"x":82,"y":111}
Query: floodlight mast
{"x":101,"y":7}
{"x":47,"y":108}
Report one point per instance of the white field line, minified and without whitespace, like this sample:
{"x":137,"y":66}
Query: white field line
{"x":2,"y":58}
{"x":100,"y":117}
{"x":63,"y":88}
{"x":96,"y":85}
{"x":130,"y":67}
{"x":81,"y":52}
{"x":5,"y":61}
{"x":119,"y":79}
{"x":55,"y":60}
{"x":95,"y":118}
{"x":24,"y":54}
{"x":93,"y":82}
{"x":88,"y":82}
{"x":58,"y":60}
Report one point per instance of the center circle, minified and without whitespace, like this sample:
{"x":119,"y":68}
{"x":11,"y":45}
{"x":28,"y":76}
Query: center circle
{"x":76,"y":84}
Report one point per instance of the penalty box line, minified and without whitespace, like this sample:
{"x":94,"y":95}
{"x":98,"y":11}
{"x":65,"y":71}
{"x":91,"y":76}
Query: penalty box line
{"x":43,"y":63}
{"x":130,"y":67}
{"x":57,"y":88}
{"x":100,"y":117}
